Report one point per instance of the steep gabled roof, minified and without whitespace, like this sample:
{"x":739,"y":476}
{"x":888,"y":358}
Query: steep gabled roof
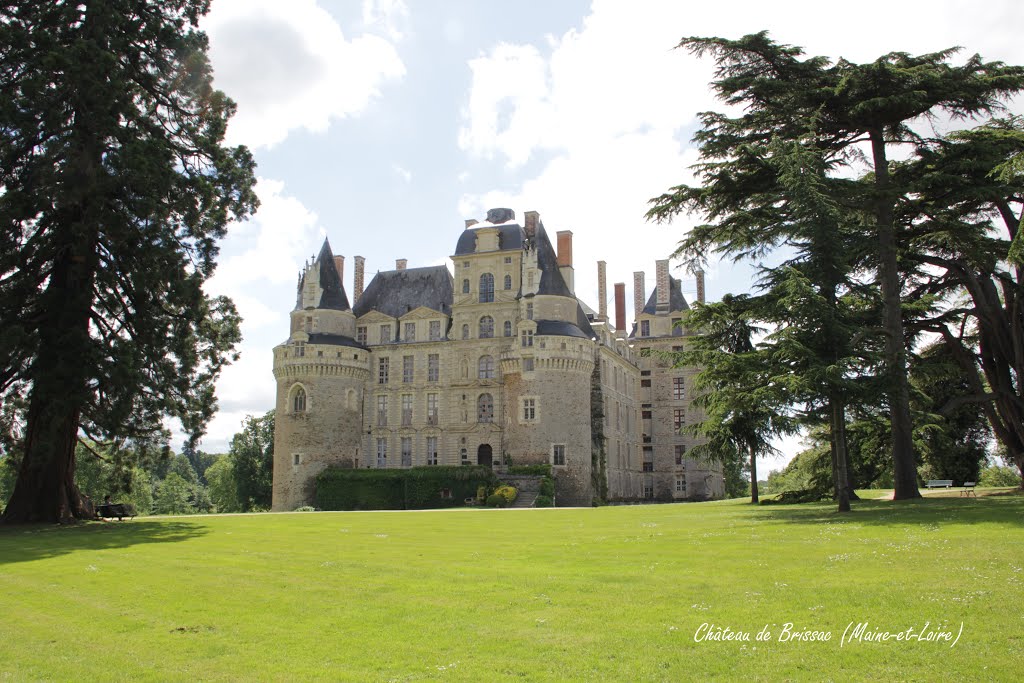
{"x":333,"y":296}
{"x":396,"y":292}
{"x":551,"y":280}
{"x":676,"y":301}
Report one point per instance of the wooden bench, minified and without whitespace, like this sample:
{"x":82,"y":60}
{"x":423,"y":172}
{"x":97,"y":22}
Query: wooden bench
{"x":968,"y":489}
{"x":119,"y":510}
{"x":939,"y":484}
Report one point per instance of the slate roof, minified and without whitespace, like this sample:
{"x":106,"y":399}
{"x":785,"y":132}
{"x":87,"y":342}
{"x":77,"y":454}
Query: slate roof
{"x":336,"y":340}
{"x":396,"y":292}
{"x":551,"y":281}
{"x":333,"y":296}
{"x":560,"y":328}
{"x":510,"y":236}
{"x":676,"y":302}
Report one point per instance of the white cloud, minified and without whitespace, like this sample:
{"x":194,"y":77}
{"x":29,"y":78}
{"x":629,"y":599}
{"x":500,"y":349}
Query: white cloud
{"x":289,"y":66}
{"x":388,"y":16}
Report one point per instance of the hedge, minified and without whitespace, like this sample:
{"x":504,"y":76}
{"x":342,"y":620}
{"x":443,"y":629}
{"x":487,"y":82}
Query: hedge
{"x":543,"y":470}
{"x":416,"y":488}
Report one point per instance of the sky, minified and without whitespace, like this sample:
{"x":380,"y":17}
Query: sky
{"x":384,"y":124}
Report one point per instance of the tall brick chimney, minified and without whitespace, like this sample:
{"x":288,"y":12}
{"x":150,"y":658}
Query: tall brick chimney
{"x":664,"y":288}
{"x":401,"y":263}
{"x":357,"y":280}
{"x":620,"y":306}
{"x":602,"y":291}
{"x":339,"y":264}
{"x":531,"y":220}
{"x":639,"y":294}
{"x":700,"y":284}
{"x":565,"y":258}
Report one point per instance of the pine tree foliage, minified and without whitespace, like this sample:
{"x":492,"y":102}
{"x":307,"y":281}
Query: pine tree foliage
{"x":115,"y":190}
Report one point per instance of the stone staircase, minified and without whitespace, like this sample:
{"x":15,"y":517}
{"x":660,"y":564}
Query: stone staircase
{"x":528,"y":487}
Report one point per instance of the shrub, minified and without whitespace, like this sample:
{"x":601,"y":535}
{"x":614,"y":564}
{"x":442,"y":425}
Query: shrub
{"x":409,"y":489}
{"x":547,"y":487}
{"x":997,"y":476}
{"x":542,"y":470}
{"x":543,"y":502}
{"x":509,"y":493}
{"x":496,"y":500}
{"x":305,"y":508}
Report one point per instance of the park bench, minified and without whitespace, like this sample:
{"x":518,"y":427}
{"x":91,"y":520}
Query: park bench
{"x":119,"y":510}
{"x":939,"y":484}
{"x":968,"y":489}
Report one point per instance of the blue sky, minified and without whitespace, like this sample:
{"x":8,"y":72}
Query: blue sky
{"x":384,"y":124}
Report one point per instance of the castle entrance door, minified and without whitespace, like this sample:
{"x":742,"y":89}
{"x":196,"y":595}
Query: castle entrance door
{"x":484,"y":455}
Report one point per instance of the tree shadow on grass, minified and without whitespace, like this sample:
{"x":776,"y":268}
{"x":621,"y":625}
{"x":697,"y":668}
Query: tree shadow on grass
{"x":1008,"y":510}
{"x":38,"y":542}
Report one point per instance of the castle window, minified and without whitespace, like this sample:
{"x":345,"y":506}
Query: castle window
{"x":645,"y":328}
{"x":300,"y":350}
{"x":485,"y":408}
{"x":529,"y":311}
{"x":558,"y":455}
{"x":527,"y":338}
{"x":508,"y":260}
{"x":463,"y":456}
{"x":432,"y":452}
{"x":465,"y":331}
{"x":385,"y":334}
{"x":382,"y":452}
{"x":465,"y":285}
{"x":645,"y":411}
{"x":678,"y":389}
{"x":407,"y":369}
{"x":435,"y":330}
{"x":299,"y":401}
{"x":486,"y":288}
{"x":406,"y":410}
{"x":508,"y":328}
{"x":432,"y":409}
{"x":485,"y":367}
{"x":382,"y":411}
{"x":410,"y":332}
{"x":678,"y":418}
{"x":406,"y":451}
{"x":361,"y":334}
{"x":529,"y":409}
{"x":680,"y":453}
{"x":433,"y":367}
{"x":383,"y":367}
{"x":649,"y":490}
{"x":309,"y":323}
{"x":648,"y":467}
{"x":528,"y":365}
{"x":296,"y":459}
{"x":486,"y":327}
{"x":508,"y":282}
{"x":677,"y":327}
{"x":645,"y":382}
{"x":680,"y":483}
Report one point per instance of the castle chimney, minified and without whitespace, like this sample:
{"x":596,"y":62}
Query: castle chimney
{"x":700,"y":284}
{"x":339,"y":263}
{"x":662,"y":283}
{"x":470,"y":222}
{"x":565,"y":258}
{"x":401,"y":263}
{"x":357,"y":284}
{"x":639,"y":295}
{"x":532,"y":219}
{"x":620,"y":307}
{"x":602,"y":291}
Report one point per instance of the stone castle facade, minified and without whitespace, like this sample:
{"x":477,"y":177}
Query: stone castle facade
{"x":500,"y":363}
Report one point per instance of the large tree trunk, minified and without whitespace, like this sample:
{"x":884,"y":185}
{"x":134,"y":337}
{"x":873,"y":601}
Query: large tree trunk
{"x":753,"y":475}
{"x":842,"y":480}
{"x":904,"y":467}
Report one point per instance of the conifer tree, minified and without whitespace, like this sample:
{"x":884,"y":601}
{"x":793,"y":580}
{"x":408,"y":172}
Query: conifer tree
{"x":844,"y":105}
{"x":116,"y":187}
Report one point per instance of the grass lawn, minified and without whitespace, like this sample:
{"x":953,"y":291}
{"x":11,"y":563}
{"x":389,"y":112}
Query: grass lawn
{"x":614,"y":593}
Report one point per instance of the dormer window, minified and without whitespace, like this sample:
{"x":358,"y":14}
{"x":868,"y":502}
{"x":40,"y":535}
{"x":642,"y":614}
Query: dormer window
{"x":465,"y":286}
{"x":508,"y":282}
{"x":645,"y":328}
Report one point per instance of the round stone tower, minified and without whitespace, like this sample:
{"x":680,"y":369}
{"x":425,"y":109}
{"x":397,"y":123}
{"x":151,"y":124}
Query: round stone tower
{"x":320,"y":371}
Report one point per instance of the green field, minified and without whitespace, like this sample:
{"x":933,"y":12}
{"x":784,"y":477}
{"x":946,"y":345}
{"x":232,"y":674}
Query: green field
{"x":614,"y":593}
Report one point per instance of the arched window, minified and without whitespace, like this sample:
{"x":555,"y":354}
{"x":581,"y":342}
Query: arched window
{"x":508,"y":328}
{"x":465,"y":331}
{"x":486,"y":327}
{"x":508,"y":282}
{"x":465,"y":286}
{"x":485,"y":408}
{"x":299,"y":400}
{"x":486,"y":288}
{"x":485,"y":368}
